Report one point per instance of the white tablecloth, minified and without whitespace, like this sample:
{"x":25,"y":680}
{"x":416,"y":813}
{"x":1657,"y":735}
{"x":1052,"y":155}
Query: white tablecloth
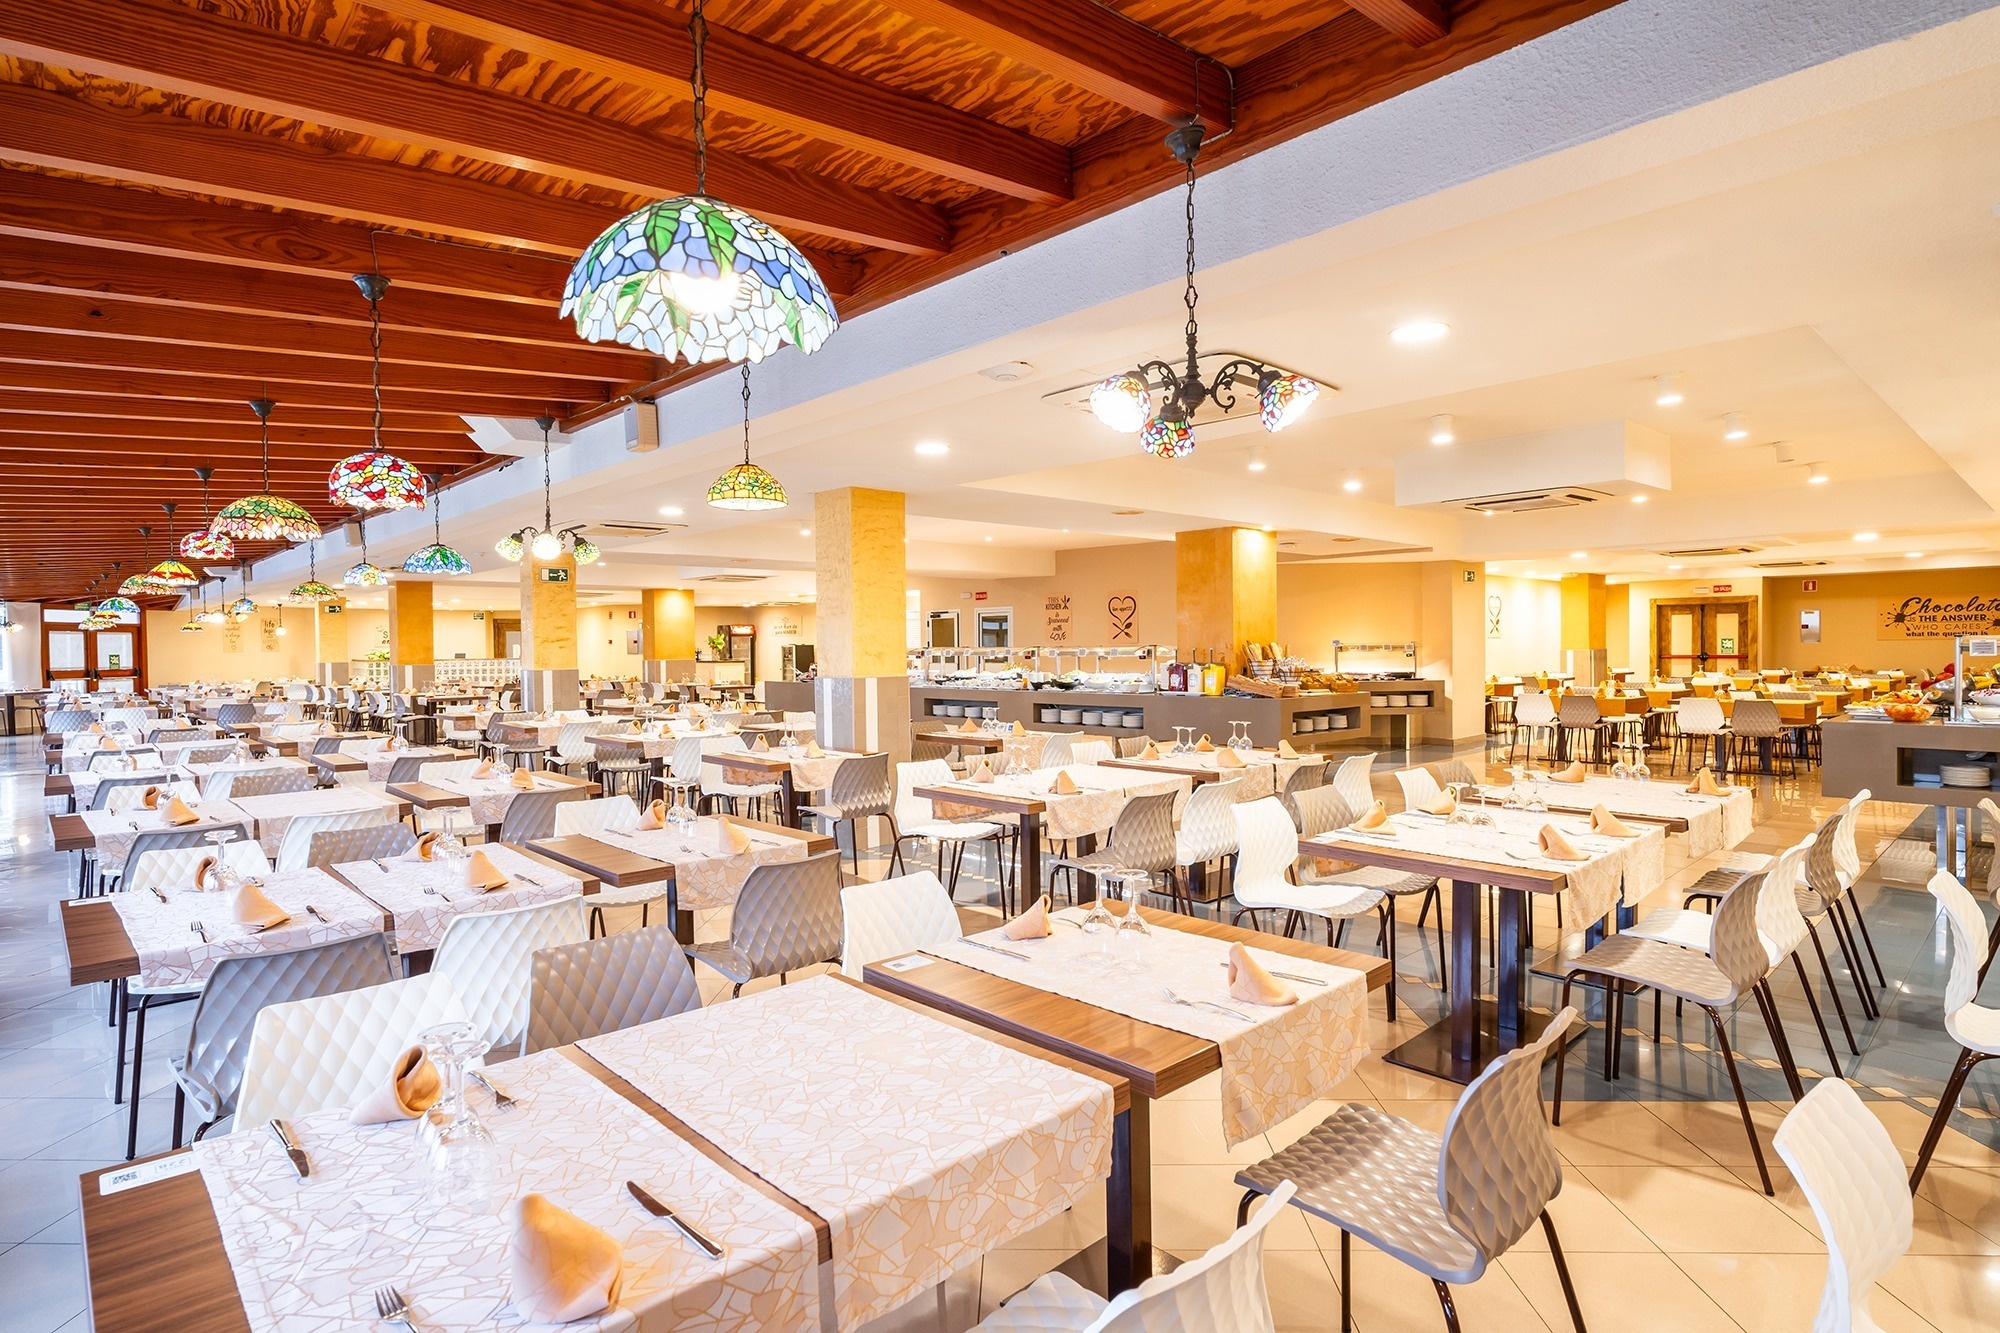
{"x":1714,"y":822}
{"x":922,"y":1146}
{"x":1272,"y":1067}
{"x":421,"y":917}
{"x":490,"y":797}
{"x":274,"y":814}
{"x":1093,"y":809}
{"x":308,"y":1254}
{"x":201,"y":773}
{"x":171,"y":953}
{"x":702,"y":878}
{"x":1264,"y":772}
{"x":113,"y":833}
{"x":381,"y":761}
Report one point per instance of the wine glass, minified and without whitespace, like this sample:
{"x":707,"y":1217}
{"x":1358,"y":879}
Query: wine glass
{"x":220,"y":839}
{"x":460,"y":1162}
{"x":1133,"y":933}
{"x":449,"y":847}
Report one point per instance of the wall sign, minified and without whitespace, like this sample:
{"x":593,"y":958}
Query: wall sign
{"x":1808,"y":627}
{"x":333,"y":608}
{"x":631,"y":643}
{"x":1808,"y":585}
{"x":1123,"y":608}
{"x":114,"y":661}
{"x":1936,"y":617}
{"x":1493,"y":605}
{"x":554,"y":574}
{"x":1056,"y":618}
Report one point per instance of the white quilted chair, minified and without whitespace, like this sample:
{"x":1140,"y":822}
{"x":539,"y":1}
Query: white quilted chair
{"x":295,"y":851}
{"x":1221,"y":1292}
{"x":893,"y":916}
{"x":611,"y":812}
{"x":1267,"y":843}
{"x":579,"y":991}
{"x":1419,"y":786}
{"x":1351,"y":780}
{"x":332,"y":1050}
{"x":1207,"y":833}
{"x":488,"y":956}
{"x":173,"y":867}
{"x":916,"y":817}
{"x":1089,"y":752}
{"x":714,"y":787}
{"x":123,"y":798}
{"x":572,"y":745}
{"x":1056,"y":749}
{"x":116,"y":761}
{"x":1852,"y":1174}
{"x":1974,"y":1026}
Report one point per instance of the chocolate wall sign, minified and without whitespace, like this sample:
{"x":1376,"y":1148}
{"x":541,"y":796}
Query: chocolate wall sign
{"x":1936,"y":617}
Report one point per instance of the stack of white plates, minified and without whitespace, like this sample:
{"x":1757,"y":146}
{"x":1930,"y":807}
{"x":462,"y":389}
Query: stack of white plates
{"x":1966,"y":775}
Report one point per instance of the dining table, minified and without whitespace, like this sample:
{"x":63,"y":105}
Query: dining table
{"x":204,"y":774}
{"x":1504,"y":856}
{"x":486,"y":799}
{"x":950,"y":1141}
{"x":793,"y":771}
{"x":1262,"y":772}
{"x":1074,"y":993}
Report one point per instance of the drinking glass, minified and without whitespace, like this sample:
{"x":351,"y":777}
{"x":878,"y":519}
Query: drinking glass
{"x":225,"y":881}
{"x":460,"y":1161}
{"x":1239,"y":736}
{"x":1133,"y":933}
{"x":449,"y":848}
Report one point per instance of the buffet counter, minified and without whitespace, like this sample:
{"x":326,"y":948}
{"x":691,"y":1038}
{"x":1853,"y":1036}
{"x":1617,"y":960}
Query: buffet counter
{"x":1906,"y":762}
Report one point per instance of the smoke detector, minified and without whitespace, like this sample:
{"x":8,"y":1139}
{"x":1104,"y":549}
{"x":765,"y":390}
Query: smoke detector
{"x":1008,"y":370}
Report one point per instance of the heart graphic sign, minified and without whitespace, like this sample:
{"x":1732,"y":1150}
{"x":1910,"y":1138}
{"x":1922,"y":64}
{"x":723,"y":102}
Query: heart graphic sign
{"x":1123,"y":607}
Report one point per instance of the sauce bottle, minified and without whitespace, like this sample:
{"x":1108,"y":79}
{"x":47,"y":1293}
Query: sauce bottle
{"x":1214,"y":675}
{"x":1177,"y":677}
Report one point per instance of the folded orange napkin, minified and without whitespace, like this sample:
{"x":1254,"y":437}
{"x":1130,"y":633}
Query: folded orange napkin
{"x":393,"y":743}
{"x":1204,"y":745}
{"x":968,"y":725}
{"x":761,"y":745}
{"x":251,"y":908}
{"x":1704,"y":784}
{"x":728,"y":839}
{"x":108,"y":743}
{"x":179,"y":813}
{"x":1228,"y":758}
{"x":423,"y":849}
{"x":1064,"y":785}
{"x":150,"y":798}
{"x":1285,"y":750}
{"x":1020,"y":730}
{"x":1610,"y":825}
{"x":481,"y":873}
{"x":560,"y":1267}
{"x":1375,"y":821}
{"x":654,"y":816}
{"x":97,"y":728}
{"x":414,"y":1087}
{"x":1032,"y":924}
{"x":1151,"y":751}
{"x":1574,"y":773}
{"x":1249,"y":982}
{"x":1556,"y":847}
{"x":1444,"y":803}
{"x":486,"y":769}
{"x":983,"y":773}
{"x":203,"y":871}
{"x":813,"y":751}
{"x":325,"y":729}
{"x":521,"y":780}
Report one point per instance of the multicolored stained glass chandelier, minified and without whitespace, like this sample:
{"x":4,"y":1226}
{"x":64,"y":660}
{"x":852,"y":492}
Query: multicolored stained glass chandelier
{"x":312,"y":590}
{"x":264,"y":517}
{"x":202,"y":544}
{"x":437,"y":558}
{"x":149,"y":582}
{"x":364,"y":574}
{"x":242,"y":608}
{"x":694,"y":277}
{"x":1128,"y":400}
{"x":546,"y":542}
{"x":117,"y":606}
{"x":375,"y":481}
{"x":170,"y":575}
{"x":746,"y":485}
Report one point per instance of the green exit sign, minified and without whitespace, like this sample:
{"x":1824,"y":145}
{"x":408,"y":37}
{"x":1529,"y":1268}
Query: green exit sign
{"x":554,"y":574}
{"x":333,"y":608}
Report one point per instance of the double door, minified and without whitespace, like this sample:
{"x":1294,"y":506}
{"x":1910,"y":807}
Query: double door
{"x":1695,"y":637}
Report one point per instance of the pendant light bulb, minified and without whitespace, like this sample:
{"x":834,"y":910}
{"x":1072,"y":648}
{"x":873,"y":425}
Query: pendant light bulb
{"x":546,"y":546}
{"x":705,"y":296}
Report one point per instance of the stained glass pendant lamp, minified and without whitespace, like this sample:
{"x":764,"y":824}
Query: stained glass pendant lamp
{"x":545,"y":542}
{"x":117,"y":606}
{"x":747,"y":486}
{"x":312,"y":590}
{"x":203,"y":544}
{"x":149,"y":582}
{"x":437,"y":558}
{"x":364,"y":574}
{"x":170,"y":575}
{"x":375,"y":481}
{"x":264,"y":517}
{"x":242,"y":608}
{"x":1159,"y":400}
{"x":694,"y":277}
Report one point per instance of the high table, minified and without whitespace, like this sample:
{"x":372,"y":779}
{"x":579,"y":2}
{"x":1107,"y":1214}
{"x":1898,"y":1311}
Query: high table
{"x":1155,"y":1060}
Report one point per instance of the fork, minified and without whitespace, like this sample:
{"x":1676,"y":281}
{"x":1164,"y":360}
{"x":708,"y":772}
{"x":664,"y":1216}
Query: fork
{"x":196,"y":927}
{"x":1205,"y":1004}
{"x":391,"y":1308}
{"x":502,"y":1103}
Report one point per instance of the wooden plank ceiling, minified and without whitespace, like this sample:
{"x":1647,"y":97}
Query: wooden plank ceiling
{"x":185,"y":188}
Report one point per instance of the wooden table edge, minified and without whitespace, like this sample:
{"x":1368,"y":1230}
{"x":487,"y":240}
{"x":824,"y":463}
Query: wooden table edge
{"x":1401,"y":858}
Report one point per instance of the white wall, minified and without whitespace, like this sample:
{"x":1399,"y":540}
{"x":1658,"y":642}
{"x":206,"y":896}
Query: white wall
{"x":1530,"y":638}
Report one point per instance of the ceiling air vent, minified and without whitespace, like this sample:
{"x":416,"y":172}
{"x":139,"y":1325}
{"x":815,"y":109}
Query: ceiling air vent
{"x":732,"y":578}
{"x":1790,"y":564}
{"x":622,"y":530}
{"x":1526,"y":502}
{"x":1698,"y":552}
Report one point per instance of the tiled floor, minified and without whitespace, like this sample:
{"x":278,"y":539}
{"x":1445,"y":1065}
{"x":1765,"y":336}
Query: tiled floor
{"x":1659,"y":1212}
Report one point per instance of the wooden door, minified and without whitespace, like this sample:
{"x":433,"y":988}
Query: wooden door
{"x":1693,"y":637}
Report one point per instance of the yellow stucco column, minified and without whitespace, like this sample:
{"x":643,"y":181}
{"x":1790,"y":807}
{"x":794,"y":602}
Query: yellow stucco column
{"x":330,"y":630}
{"x":1225,"y":593}
{"x":1451,"y":646}
{"x":548,"y":632}
{"x":862,"y":697}
{"x":412,"y":634}
{"x":667,"y":637}
{"x":1584,"y":639}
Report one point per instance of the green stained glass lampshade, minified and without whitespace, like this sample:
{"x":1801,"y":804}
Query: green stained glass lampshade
{"x":192,"y":627}
{"x":242,"y":607}
{"x":172,"y":574}
{"x":1167,"y":438}
{"x":95,"y":621}
{"x":207,"y":547}
{"x":693,"y":277}
{"x":364,"y":575}
{"x":118,"y":606}
{"x":312,"y":590}
{"x":587,"y":551}
{"x":510,"y":547}
{"x":376,"y":482}
{"x":264,"y":518}
{"x":437,"y":558}
{"x":747,"y":486}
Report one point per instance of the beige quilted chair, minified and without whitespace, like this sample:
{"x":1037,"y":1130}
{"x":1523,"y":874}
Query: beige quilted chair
{"x":787,"y":917}
{"x":599,"y":986}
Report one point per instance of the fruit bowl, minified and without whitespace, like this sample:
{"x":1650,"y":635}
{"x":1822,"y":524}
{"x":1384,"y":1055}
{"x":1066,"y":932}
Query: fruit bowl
{"x":1908,"y":712}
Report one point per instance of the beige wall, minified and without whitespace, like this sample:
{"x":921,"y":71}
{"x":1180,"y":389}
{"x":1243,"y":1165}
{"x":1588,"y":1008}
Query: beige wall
{"x":1355,"y":604}
{"x":1530,"y":626}
{"x":1640,"y":598}
{"x":1849,"y":607}
{"x":174,"y":658}
{"x":1089,"y":578}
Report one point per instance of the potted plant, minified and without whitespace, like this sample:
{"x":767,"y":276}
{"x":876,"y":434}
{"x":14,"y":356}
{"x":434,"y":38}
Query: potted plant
{"x":718,"y":647}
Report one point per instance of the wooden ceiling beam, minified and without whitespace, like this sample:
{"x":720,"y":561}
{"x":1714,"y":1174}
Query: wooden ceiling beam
{"x":759,"y":81}
{"x":332,"y":425}
{"x":280,"y":370}
{"x":1418,"y":22}
{"x":159,"y":44}
{"x":405,"y":355}
{"x":1093,"y":47}
{"x":121,"y":392}
{"x":287,"y":439}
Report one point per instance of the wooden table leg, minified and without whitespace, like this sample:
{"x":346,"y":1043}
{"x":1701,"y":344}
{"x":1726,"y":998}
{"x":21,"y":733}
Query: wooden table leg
{"x":1465,"y":962}
{"x":1128,"y":1200}
{"x":1030,"y":886}
{"x":683,"y":922}
{"x":788,"y":797}
{"x":1510,"y":976}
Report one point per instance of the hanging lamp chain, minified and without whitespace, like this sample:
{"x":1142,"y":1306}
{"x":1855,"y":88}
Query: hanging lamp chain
{"x":746,"y":413}
{"x":1193,"y":295}
{"x":698,"y":82}
{"x":548,"y":523}
{"x":375,"y":357}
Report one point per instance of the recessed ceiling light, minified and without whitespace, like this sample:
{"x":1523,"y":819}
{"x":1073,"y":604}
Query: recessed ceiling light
{"x":1913,"y":555}
{"x":1667,"y":390}
{"x":1441,"y":431}
{"x":1256,"y":463}
{"x":933,"y":448}
{"x":1638,"y":499}
{"x":1127,"y":513}
{"x":1735,"y":426}
{"x":1490,"y":513}
{"x":1816,"y":475}
{"x":1419,"y":331}
{"x":989,"y":537}
{"x":1008,"y":370}
{"x":1676,"y":566}
{"x":1579,"y":555}
{"x":805,"y":532}
{"x":672,"y":511}
{"x":1351,"y":485}
{"x":1866,"y":536}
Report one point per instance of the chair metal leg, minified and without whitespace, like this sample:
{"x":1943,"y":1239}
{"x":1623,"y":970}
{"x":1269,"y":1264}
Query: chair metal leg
{"x":1562,"y":1271}
{"x":1819,"y":1019}
{"x":1562,"y":1058}
{"x":1831,"y":989}
{"x":1450,"y":1311}
{"x":1749,"y":1125}
{"x":1967,"y":1058}
{"x":1767,"y":1005}
{"x":180,"y":1112}
{"x":1389,"y":951}
{"x":138,"y":1055}
{"x":1861,"y":922}
{"x":1850,"y":953}
{"x":1346,"y":1284}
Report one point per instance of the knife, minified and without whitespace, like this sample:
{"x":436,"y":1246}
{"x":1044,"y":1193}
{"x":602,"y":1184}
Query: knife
{"x":292,"y":1148}
{"x":660,"y":1210}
